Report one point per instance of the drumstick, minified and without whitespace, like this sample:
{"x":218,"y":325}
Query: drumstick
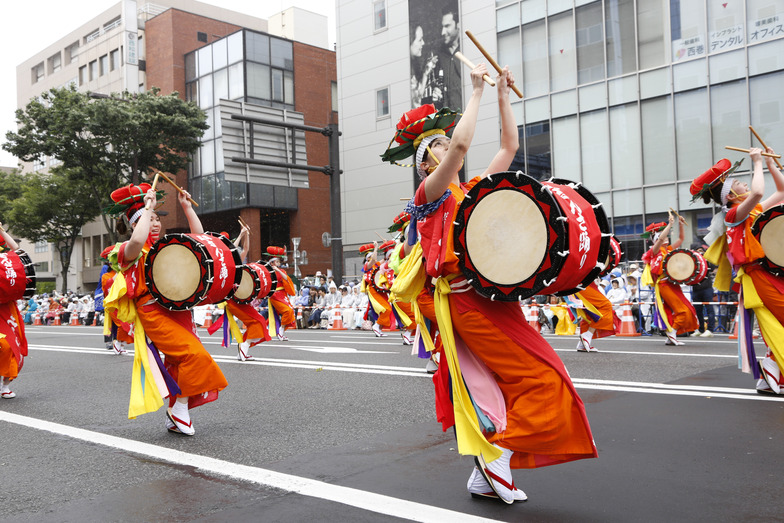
{"x":746,"y":150}
{"x":763,"y":145}
{"x":377,"y":234}
{"x":460,"y":56}
{"x":491,"y":61}
{"x":176,"y":187}
{"x":154,"y":184}
{"x":242,"y":222}
{"x":404,"y":199}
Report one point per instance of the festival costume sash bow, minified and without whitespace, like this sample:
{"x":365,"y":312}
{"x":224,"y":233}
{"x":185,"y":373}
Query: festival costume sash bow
{"x":150,"y":382}
{"x":717,"y":255}
{"x":408,"y":284}
{"x":771,"y":329}
{"x":230,"y":326}
{"x":470,"y":439}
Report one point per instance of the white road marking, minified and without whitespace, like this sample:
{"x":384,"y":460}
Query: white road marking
{"x":389,"y":370}
{"x":370,"y":501}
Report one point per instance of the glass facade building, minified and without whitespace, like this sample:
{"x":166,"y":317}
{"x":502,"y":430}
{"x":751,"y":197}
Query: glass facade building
{"x":635,"y":98}
{"x":252,"y":67}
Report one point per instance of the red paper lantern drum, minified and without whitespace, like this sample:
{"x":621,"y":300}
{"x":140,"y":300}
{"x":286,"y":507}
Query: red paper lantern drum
{"x":17,"y":276}
{"x":516,"y":237}
{"x":186,"y":270}
{"x":257,"y":280}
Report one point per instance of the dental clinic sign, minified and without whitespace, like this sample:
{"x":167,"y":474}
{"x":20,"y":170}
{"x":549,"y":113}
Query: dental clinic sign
{"x":131,"y":48}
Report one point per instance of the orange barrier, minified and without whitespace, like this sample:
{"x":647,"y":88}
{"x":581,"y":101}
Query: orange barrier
{"x":74,"y":319}
{"x":627,"y":321}
{"x":37,"y":319}
{"x":57,"y":319}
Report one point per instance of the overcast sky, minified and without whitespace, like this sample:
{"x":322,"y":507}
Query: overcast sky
{"x":27,"y":27}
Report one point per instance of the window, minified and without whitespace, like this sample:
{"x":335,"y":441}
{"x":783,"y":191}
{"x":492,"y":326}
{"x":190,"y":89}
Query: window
{"x":114,"y":60}
{"x":687,"y":28}
{"x":626,"y":150}
{"x":619,"y":28}
{"x":37,"y":73}
{"x":566,"y":148}
{"x":561,"y":43}
{"x":93,"y":70}
{"x":41,"y":246}
{"x":379,"y":15}
{"x":83,"y":75}
{"x":657,"y":140}
{"x":40,"y":164}
{"x":103,"y":65}
{"x":535,"y":76}
{"x":590,"y":43}
{"x":730,"y":119}
{"x":651,"y":17}
{"x":725,"y":26}
{"x":382,"y":103}
{"x":201,"y":37}
{"x":334,"y":96}
{"x":692,"y":120}
{"x":763,"y":20}
{"x":537,"y":146}
{"x":70,"y":52}
{"x":595,"y":150}
{"x":55,"y":63}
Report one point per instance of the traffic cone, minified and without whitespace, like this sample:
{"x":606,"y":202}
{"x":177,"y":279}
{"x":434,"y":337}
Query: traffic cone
{"x":37,"y":319}
{"x":74,"y":319}
{"x":300,"y":325}
{"x":533,"y":317}
{"x":208,"y":318}
{"x":337,"y":320}
{"x":57,"y":319}
{"x":627,"y":321}
{"x":95,"y":319}
{"x":734,"y":335}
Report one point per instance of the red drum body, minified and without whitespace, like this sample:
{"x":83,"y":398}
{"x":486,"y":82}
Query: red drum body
{"x":17,"y":276}
{"x":613,"y":257}
{"x":683,"y":266}
{"x":186,"y":270}
{"x":256,"y":281}
{"x":768,"y":228}
{"x":516,"y":237}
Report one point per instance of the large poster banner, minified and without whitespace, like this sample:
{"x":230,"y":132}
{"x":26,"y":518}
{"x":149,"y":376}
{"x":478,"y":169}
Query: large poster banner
{"x":434,"y":37}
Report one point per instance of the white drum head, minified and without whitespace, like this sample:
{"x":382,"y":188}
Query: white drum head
{"x":176,"y":272}
{"x":680,"y":266}
{"x":246,"y":285}
{"x":506,"y":236}
{"x":771,"y":240}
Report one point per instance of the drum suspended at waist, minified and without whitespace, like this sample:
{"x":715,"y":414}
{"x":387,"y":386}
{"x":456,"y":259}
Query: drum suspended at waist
{"x":768,"y":228}
{"x":257,"y":280}
{"x":186,"y":270}
{"x":516,"y":237}
{"x":17,"y":276}
{"x":378,"y":279}
{"x":684,"y":266}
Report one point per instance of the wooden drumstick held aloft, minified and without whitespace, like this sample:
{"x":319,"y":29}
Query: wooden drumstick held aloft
{"x":243,"y":224}
{"x":460,"y":56}
{"x":154,"y":184}
{"x":179,"y":189}
{"x":731,"y":148}
{"x":764,"y":146}
{"x":491,"y":60}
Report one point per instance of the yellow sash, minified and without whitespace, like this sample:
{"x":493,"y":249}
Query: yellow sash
{"x":470,"y":439}
{"x":772,"y":331}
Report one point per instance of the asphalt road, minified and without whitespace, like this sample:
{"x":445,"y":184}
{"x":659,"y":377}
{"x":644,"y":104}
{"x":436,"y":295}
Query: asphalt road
{"x":340,"y":426}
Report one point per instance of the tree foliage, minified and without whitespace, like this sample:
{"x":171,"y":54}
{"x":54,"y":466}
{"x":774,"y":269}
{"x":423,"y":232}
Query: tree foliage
{"x":108,"y":142}
{"x":53,"y":208}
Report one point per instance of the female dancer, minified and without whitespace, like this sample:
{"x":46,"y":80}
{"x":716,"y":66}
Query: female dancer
{"x":673,"y":312}
{"x":281,"y":313}
{"x":13,"y":343}
{"x":733,"y":244}
{"x":194,"y":372}
{"x":528,"y":413}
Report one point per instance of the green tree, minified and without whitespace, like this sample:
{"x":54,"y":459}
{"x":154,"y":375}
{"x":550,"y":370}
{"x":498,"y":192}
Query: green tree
{"x":10,"y":189}
{"x":108,"y":141}
{"x":53,"y":208}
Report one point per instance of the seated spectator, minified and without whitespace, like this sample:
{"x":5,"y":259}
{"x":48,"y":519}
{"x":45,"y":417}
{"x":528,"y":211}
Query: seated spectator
{"x":318,"y":307}
{"x":361,"y":302}
{"x":32,"y":307}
